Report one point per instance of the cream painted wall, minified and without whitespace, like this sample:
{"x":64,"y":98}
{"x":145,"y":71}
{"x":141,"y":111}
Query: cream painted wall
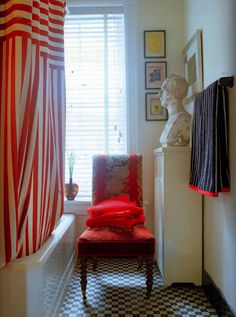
{"x":155,"y":15}
{"x":216,"y":18}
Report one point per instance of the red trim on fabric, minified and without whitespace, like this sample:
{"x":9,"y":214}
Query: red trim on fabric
{"x":225,"y":190}
{"x":203,"y":191}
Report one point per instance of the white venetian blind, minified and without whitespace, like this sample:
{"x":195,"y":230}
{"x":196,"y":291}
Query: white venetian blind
{"x":95,"y":91}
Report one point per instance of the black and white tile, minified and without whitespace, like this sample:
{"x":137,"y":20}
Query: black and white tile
{"x":118,"y":289}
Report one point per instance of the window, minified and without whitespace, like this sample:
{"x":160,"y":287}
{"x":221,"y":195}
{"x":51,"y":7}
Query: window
{"x":95,"y":89}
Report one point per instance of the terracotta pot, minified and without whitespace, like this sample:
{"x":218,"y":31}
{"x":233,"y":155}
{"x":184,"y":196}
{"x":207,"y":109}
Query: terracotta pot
{"x":71,"y":190}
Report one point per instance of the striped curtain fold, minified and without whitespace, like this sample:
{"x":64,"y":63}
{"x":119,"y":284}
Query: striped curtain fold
{"x":32,"y":112}
{"x":209,"y":173}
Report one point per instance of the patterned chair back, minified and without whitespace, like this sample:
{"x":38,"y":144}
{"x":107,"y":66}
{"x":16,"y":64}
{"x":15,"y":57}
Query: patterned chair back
{"x":115,"y":175}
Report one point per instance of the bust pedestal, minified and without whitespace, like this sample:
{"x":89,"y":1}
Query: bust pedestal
{"x":177,"y":218}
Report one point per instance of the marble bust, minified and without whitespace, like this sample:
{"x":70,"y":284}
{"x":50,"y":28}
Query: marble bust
{"x":177,"y":129}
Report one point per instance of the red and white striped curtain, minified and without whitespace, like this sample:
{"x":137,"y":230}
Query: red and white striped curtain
{"x":32,"y":95}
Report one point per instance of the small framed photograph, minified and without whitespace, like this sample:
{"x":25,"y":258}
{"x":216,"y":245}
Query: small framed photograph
{"x":154,"y":110}
{"x":155,"y":44}
{"x":193,"y":66}
{"x":155,"y":74}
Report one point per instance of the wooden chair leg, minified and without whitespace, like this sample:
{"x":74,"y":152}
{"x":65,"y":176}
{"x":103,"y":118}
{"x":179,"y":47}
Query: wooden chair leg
{"x":140,"y":262}
{"x":149,"y":277}
{"x":83,"y":275}
{"x":95,"y":263}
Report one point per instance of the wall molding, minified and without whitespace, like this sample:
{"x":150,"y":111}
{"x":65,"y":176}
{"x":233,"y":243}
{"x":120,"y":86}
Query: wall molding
{"x":216,"y":297}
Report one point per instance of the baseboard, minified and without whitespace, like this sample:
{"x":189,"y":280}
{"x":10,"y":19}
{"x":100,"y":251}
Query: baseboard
{"x":216,"y":297}
{"x":64,"y":284}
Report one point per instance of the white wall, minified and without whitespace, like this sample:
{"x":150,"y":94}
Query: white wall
{"x":155,"y":15}
{"x":216,"y":18}
{"x":35,"y":285}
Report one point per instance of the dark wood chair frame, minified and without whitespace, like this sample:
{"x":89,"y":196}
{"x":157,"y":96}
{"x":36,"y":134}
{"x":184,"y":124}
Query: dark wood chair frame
{"x":145,"y":255}
{"x":83,"y":272}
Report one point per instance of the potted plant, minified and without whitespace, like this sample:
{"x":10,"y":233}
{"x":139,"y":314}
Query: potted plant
{"x":71,"y":189}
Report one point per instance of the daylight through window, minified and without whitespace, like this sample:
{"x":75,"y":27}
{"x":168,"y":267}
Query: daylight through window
{"x":95,"y":91}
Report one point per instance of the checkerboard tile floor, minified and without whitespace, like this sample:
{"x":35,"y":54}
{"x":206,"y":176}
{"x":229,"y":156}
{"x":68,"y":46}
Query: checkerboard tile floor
{"x":118,"y":289}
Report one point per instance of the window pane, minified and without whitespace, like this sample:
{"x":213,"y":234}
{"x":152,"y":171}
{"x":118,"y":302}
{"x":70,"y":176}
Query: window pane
{"x":95,"y":91}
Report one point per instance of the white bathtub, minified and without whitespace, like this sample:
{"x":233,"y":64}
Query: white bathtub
{"x":34,"y":286}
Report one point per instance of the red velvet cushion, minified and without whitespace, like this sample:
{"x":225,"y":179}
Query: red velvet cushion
{"x":109,"y":242}
{"x":113,"y":205}
{"x":125,"y":221}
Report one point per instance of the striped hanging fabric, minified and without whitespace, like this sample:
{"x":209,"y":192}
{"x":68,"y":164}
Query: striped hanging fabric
{"x":32,"y":114}
{"x":209,"y":173}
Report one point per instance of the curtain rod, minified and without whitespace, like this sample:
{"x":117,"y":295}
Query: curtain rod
{"x":226,"y":81}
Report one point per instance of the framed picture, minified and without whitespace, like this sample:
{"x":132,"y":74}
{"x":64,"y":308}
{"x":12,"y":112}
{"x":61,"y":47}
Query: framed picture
{"x":155,"y":74}
{"x":193,"y":66}
{"x":155,"y":44}
{"x":154,"y":110}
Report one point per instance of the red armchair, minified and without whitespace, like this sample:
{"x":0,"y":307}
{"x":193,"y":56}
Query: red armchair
{"x":113,"y":176}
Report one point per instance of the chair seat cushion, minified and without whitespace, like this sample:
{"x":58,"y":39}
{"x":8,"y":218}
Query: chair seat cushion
{"x":109,"y":242}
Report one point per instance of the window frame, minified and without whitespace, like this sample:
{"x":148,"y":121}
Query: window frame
{"x":129,"y":8}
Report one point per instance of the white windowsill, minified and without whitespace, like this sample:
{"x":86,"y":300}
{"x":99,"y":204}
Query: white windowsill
{"x":77,"y":207}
